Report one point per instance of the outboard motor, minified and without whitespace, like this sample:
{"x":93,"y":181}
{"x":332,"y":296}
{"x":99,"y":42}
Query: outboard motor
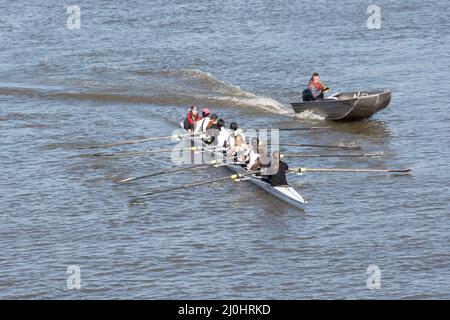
{"x":306,"y":95}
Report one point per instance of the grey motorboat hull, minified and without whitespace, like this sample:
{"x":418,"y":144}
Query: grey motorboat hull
{"x":349,"y":106}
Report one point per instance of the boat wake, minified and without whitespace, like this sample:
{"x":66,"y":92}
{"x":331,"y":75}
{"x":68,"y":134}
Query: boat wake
{"x":179,"y":87}
{"x":309,"y":115}
{"x":204,"y":87}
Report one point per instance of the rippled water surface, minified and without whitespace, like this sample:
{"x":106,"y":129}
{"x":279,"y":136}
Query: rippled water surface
{"x":131,"y":71}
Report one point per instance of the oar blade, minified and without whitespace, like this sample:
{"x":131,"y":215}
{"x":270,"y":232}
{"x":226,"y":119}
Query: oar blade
{"x":306,"y":155}
{"x":350,"y":170}
{"x":326,"y":146}
{"x":121,"y":143}
{"x":407,"y":170}
{"x":304,"y":129}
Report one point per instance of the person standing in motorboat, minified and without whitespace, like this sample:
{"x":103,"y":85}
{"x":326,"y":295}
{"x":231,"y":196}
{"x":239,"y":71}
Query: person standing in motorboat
{"x":315,"y":90}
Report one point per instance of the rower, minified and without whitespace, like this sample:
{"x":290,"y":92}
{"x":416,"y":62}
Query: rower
{"x":212,"y":130}
{"x":256,"y":156}
{"x":280,"y":167}
{"x":315,"y":90}
{"x":191,"y":119}
{"x":234,"y":131}
{"x":226,"y":136}
{"x":202,"y":125}
{"x":213,"y":122}
{"x":238,"y":148}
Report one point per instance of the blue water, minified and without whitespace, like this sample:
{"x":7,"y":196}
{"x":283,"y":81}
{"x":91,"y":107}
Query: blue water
{"x":132,"y":70}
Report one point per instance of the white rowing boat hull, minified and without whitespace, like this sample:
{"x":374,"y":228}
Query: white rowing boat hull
{"x":286,"y":193}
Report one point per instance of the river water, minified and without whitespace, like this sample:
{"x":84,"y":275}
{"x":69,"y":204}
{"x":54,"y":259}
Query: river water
{"x":131,"y":71}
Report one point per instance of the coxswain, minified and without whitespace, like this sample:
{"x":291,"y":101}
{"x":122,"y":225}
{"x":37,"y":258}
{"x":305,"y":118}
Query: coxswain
{"x":191,"y":119}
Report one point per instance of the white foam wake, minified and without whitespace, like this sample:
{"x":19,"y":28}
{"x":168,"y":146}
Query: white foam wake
{"x":308,"y":115}
{"x":228,"y":93}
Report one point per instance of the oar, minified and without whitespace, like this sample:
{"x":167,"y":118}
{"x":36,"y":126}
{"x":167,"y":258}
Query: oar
{"x":167,"y":171}
{"x":337,"y":146}
{"x":234,"y":177}
{"x":119,"y":143}
{"x":333,"y":96}
{"x":303,"y":129}
{"x":137,"y":153}
{"x":301,"y":170}
{"x":304,"y":155}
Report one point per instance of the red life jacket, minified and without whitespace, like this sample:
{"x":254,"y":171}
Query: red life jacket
{"x":191,"y":121}
{"x":318,"y":85}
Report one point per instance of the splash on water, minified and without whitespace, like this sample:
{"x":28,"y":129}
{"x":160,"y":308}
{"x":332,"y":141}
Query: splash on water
{"x":309,"y":115}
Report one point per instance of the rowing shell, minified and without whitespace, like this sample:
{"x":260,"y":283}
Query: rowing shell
{"x":285,"y":193}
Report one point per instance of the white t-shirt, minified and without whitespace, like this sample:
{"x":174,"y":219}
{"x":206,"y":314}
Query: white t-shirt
{"x":252,"y":157}
{"x":238,"y":132}
{"x":202,"y":125}
{"x":224,"y":137}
